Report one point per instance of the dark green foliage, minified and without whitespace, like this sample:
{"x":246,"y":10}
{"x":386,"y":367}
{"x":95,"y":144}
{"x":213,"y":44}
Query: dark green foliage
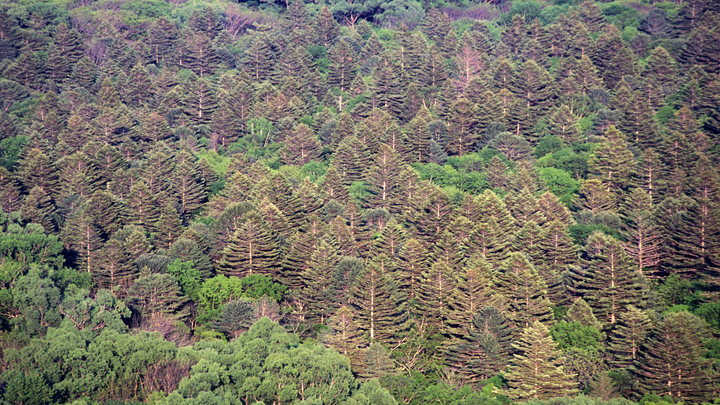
{"x":375,"y":183}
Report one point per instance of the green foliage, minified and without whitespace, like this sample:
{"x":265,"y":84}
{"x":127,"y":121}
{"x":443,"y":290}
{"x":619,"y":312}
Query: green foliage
{"x":255,"y":286}
{"x":560,"y":183}
{"x":187,"y":276}
{"x":217,"y":291}
{"x":573,"y":334}
{"x":11,"y":149}
{"x":218,"y":163}
{"x":470,"y":181}
{"x":580,"y":232}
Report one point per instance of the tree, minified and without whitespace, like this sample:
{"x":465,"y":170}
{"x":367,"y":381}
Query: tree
{"x":435,"y":295}
{"x":536,"y":371}
{"x":525,"y":292}
{"x":383,"y":178}
{"x":344,"y":335}
{"x":608,"y":280}
{"x":642,"y":232}
{"x":343,"y":65}
{"x":380,"y":308}
{"x":301,"y":146}
{"x":187,"y":184}
{"x":485,"y":348}
{"x":115,"y":268}
{"x":157,"y":295}
{"x":628,"y":336}
{"x":251,"y":249}
{"x":672,"y":361}
{"x":612,"y":163}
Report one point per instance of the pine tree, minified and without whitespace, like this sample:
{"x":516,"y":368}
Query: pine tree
{"x":525,"y":293}
{"x":343,"y":65}
{"x":628,"y":336}
{"x":69,"y":43}
{"x":317,"y":279}
{"x":162,"y":35}
{"x":37,"y":169}
{"x":344,"y":336}
{"x":115,"y":268}
{"x":386,"y":88}
{"x":168,"y":225}
{"x":435,"y":295}
{"x":536,"y":372}
{"x":9,"y":192}
{"x":418,"y":135}
{"x":462,"y":127}
{"x":259,"y":58}
{"x":411,"y":264}
{"x":380,"y":307}
{"x":608,"y":279}
{"x":301,"y":146}
{"x":187,"y":184}
{"x":612,"y":163}
{"x":251,"y":250}
{"x":642,"y":233}
{"x":672,"y":362}
{"x":485,"y":348}
{"x":638,"y":122}
{"x":661,"y":75}
{"x":82,"y":236}
{"x":383,"y":178}
{"x":326,"y":28}
{"x":473,"y":293}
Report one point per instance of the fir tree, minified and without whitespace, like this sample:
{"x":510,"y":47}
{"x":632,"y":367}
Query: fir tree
{"x":672,"y":361}
{"x":536,"y":371}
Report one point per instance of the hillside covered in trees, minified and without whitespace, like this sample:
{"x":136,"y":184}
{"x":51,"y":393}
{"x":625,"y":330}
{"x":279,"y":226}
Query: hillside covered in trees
{"x":359,"y":202}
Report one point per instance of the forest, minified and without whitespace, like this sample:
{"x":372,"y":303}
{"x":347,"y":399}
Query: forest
{"x":359,"y":202}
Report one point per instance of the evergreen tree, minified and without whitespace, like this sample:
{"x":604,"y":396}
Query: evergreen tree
{"x":386,"y":88}
{"x":608,"y":279}
{"x":301,"y":146}
{"x":642,"y":233}
{"x":612,"y":163}
{"x":115,"y":268}
{"x":672,"y":361}
{"x":485,"y":348}
{"x":520,"y":285}
{"x":344,"y":336}
{"x":536,"y":371}
{"x":628,"y":336}
{"x":251,"y":250}
{"x":380,"y":307}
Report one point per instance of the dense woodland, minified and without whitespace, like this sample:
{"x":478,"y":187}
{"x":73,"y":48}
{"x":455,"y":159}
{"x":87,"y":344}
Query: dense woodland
{"x":359,"y":203}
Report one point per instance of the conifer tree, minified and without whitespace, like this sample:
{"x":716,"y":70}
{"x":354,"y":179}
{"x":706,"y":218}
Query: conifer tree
{"x":536,"y":371}
{"x":672,"y":361}
{"x":82,"y":236}
{"x":642,"y":233}
{"x":251,"y":250}
{"x":628,"y":336}
{"x":524,"y":290}
{"x":301,"y":146}
{"x":343,"y":65}
{"x":9,"y":192}
{"x":411,"y":264}
{"x":383,"y":178}
{"x":435,"y":295}
{"x":344,"y":336}
{"x":608,"y":278}
{"x":380,"y":308}
{"x":485,"y":348}
{"x":473,"y":292}
{"x":386,"y":88}
{"x":612,"y":163}
{"x":115,"y":268}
